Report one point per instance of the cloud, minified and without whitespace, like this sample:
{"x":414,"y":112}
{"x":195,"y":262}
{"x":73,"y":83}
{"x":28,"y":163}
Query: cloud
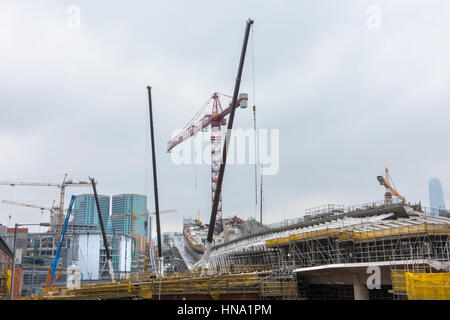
{"x":348,"y":101}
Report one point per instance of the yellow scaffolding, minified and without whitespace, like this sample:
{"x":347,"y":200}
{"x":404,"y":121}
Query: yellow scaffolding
{"x":244,"y":286}
{"x":345,"y":234}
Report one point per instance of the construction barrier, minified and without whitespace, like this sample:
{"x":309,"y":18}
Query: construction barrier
{"x":428,"y":286}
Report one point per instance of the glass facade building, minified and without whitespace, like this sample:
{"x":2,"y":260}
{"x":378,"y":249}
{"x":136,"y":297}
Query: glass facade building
{"x":124,"y":206}
{"x":436,"y":196}
{"x":85,"y":210}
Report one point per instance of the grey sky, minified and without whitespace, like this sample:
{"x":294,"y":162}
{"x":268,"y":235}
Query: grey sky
{"x":347,"y":100}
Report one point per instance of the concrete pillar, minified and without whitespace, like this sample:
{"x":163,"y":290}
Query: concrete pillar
{"x":360,"y":291}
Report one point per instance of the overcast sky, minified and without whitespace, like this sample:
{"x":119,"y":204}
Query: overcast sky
{"x":352,"y":86}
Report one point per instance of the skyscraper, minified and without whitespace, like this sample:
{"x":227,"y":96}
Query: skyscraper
{"x":123,"y":207}
{"x":85,"y":210}
{"x":436,"y":196}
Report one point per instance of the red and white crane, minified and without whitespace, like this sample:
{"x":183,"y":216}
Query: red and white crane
{"x":215,"y":119}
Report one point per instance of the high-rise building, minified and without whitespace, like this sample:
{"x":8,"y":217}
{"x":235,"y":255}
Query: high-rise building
{"x":85,"y":210}
{"x":124,"y":206}
{"x":436,"y":196}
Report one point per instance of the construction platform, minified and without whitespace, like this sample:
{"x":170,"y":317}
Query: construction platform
{"x":193,"y":286}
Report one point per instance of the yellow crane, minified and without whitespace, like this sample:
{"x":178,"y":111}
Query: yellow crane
{"x":52,"y":210}
{"x":389,"y":189}
{"x":58,"y":219}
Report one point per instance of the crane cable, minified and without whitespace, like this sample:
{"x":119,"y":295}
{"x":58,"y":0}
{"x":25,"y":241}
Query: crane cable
{"x":199,"y":112}
{"x":254,"y":123}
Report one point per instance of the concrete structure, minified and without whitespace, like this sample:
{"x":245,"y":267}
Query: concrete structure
{"x":21,"y":242}
{"x":356,"y":253}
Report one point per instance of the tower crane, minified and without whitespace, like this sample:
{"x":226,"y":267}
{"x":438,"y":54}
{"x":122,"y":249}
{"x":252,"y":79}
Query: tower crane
{"x":389,"y":189}
{"x":215,"y":119}
{"x":62,"y":186}
{"x":52,"y":210}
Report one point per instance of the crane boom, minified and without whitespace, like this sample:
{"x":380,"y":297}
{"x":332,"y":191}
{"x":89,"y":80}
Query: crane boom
{"x":61,"y":238}
{"x":203,"y":123}
{"x":44,"y":184}
{"x":389,"y":189}
{"x":105,"y":241}
{"x":30,"y":205}
{"x":218,"y":173}
{"x":143,"y":214}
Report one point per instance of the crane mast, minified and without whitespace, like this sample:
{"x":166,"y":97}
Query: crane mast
{"x":61,"y":203}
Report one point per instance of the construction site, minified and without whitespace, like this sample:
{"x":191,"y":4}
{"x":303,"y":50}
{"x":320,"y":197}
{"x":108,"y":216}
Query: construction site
{"x":327,"y":257}
{"x":385,"y":250}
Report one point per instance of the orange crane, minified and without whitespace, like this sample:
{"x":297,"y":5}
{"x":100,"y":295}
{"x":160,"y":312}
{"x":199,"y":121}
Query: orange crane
{"x":389,"y":189}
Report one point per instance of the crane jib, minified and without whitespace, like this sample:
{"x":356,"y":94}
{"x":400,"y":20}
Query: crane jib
{"x":206,"y":121}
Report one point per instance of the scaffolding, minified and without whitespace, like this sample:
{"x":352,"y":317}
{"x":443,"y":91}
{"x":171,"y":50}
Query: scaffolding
{"x":414,"y":243}
{"x":415,"y":246}
{"x":245,"y":286}
{"x":415,"y":238}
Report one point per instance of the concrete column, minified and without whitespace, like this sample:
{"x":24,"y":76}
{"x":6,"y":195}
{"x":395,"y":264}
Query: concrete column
{"x":360,"y":291}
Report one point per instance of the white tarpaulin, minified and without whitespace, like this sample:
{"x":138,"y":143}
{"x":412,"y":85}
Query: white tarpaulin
{"x":89,"y":255}
{"x":125,"y":254}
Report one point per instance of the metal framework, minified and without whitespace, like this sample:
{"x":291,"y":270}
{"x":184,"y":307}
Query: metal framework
{"x":382,"y":237}
{"x":240,"y":285}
